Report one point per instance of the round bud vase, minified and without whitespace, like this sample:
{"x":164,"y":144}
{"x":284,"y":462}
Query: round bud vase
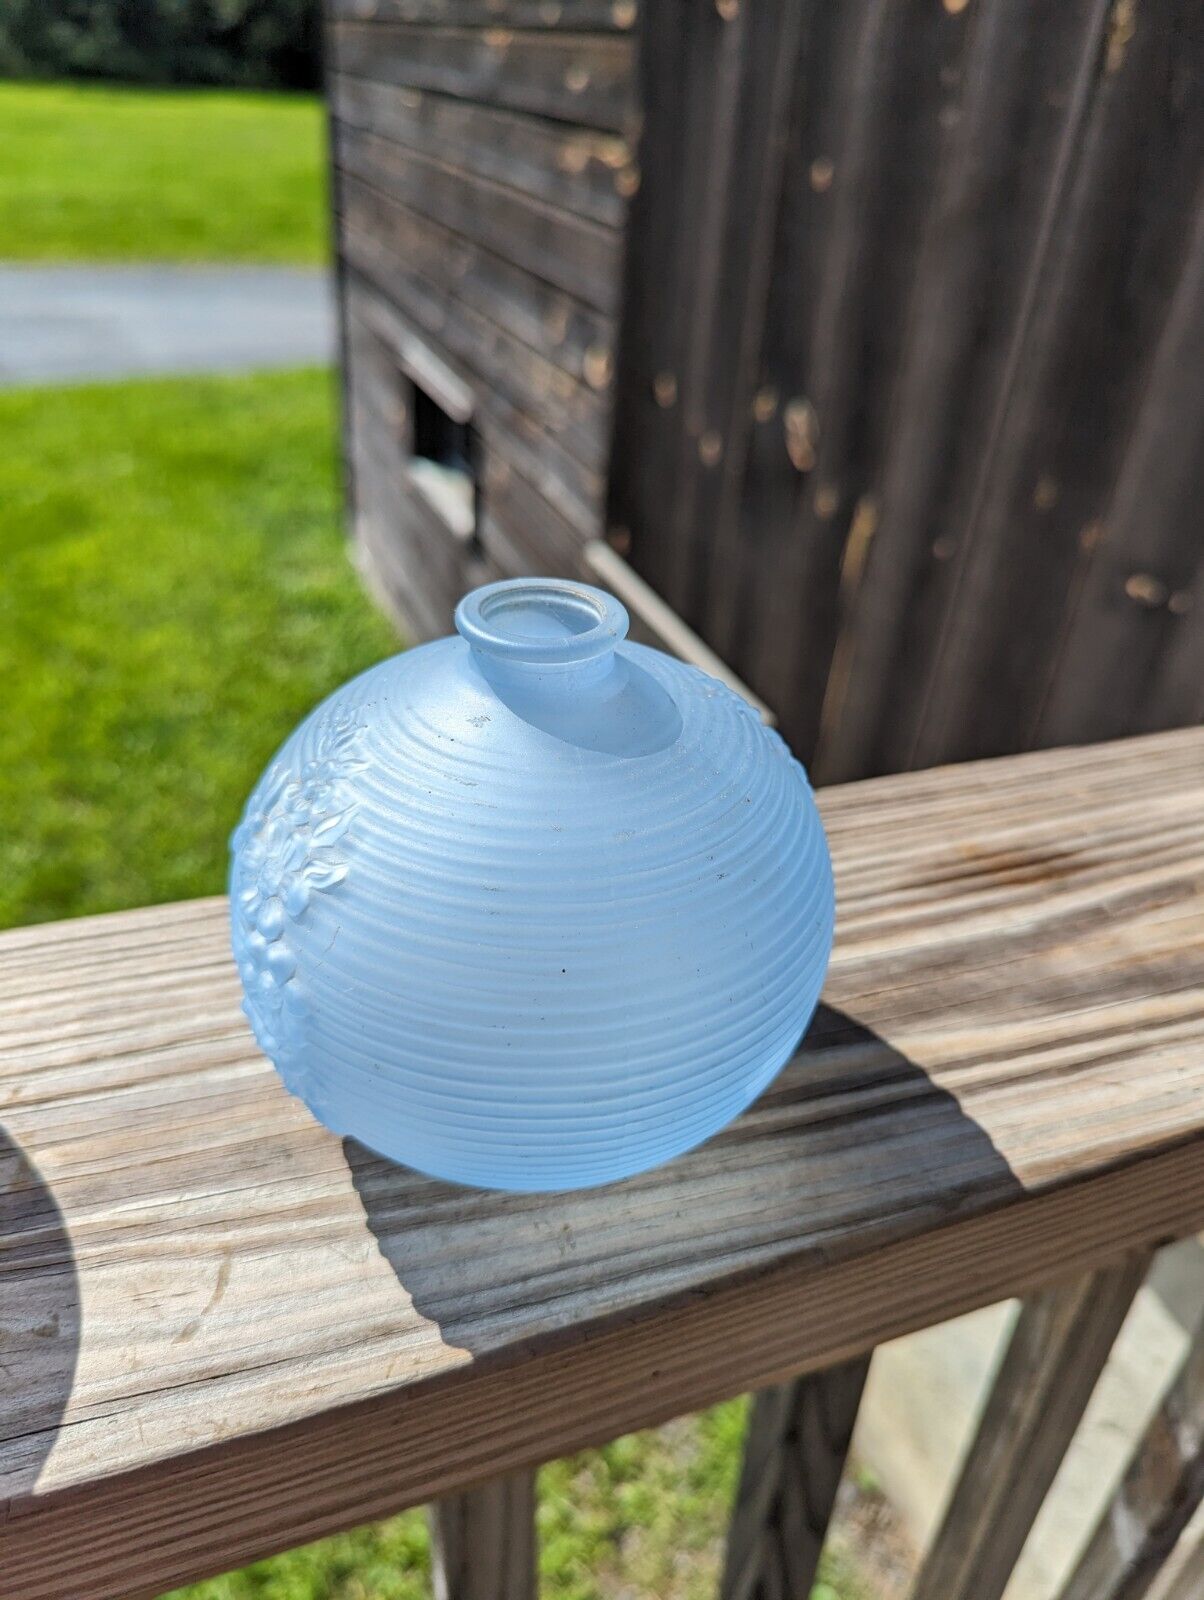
{"x":531,"y":907}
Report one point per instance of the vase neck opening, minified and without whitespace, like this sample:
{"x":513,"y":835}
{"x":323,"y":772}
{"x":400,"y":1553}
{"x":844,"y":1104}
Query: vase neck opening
{"x":548,"y":630}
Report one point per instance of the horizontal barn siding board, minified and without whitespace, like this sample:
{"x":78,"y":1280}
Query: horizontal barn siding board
{"x":422,"y":570}
{"x":547,"y":406}
{"x":572,"y":494}
{"x":557,"y":329}
{"x":482,"y":177}
{"x":577,"y":256}
{"x":532,"y":409}
{"x":512,"y":550}
{"x":579,"y":78}
{"x":582,"y":16}
{"x":575,"y":169}
{"x":517,"y":502}
{"x":386,"y":555}
{"x":406,"y":554}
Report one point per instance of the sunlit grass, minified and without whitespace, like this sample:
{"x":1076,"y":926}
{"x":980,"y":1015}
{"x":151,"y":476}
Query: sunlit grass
{"x":111,"y":174}
{"x":177,"y":592}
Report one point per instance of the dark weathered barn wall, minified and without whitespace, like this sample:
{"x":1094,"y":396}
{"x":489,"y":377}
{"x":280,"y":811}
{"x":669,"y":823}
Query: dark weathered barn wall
{"x":483,"y":168}
{"x":911,"y":379}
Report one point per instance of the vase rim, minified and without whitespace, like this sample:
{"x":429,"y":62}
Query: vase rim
{"x":541,"y":621}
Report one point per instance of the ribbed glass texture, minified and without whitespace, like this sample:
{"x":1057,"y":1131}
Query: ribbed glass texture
{"x":531,"y":907}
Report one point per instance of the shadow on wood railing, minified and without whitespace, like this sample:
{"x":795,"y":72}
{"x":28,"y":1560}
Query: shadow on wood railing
{"x":39,"y":1327}
{"x":542,"y":1231}
{"x":798,"y":1433}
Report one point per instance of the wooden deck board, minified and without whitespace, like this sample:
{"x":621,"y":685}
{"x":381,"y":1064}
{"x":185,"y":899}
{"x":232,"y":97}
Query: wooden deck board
{"x":223,"y":1331}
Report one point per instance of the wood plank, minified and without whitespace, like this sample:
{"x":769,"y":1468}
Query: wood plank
{"x":791,"y":380}
{"x":571,"y":169}
{"x":739,"y":147}
{"x":452,"y":271}
{"x":510,"y":434}
{"x":857,"y":178}
{"x":499,"y":368}
{"x":713,"y":66}
{"x":416,"y":569}
{"x":576,"y":255}
{"x":768,"y":593}
{"x":483,"y":1541}
{"x":580,"y":78}
{"x":1133,"y":600}
{"x":578,"y":16}
{"x":1122,"y":190}
{"x":229,"y":1332}
{"x":1056,"y":1353}
{"x":654,"y":623}
{"x":794,"y":1455}
{"x":408,"y":558}
{"x":996,"y":108}
{"x":1160,"y":1493}
{"x":981,"y":329}
{"x":516,"y":500}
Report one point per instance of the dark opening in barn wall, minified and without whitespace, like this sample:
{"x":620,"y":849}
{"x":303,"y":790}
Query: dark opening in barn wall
{"x":443,"y":463}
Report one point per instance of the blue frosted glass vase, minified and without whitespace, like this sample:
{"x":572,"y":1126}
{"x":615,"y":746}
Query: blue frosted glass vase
{"x":531,"y":907}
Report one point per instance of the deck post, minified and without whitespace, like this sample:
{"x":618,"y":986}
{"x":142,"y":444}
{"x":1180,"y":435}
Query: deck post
{"x":1159,"y":1494}
{"x":483,"y":1541}
{"x":794,"y":1454}
{"x":1055,"y":1355}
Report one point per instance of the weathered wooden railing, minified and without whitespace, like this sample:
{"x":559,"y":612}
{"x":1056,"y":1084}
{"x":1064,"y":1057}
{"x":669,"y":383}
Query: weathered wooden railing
{"x":223,"y":1331}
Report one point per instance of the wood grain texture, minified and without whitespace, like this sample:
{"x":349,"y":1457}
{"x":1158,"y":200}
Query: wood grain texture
{"x":794,"y":1454}
{"x":1119,"y":208}
{"x":1056,"y":1353}
{"x":406,"y":555}
{"x":503,"y":375}
{"x":579,"y":256}
{"x":570,"y":168}
{"x":548,"y":16}
{"x":483,"y":1541}
{"x":652,"y":621}
{"x":580,"y":78}
{"x":227,"y":1332}
{"x":1158,"y":1496}
{"x":429,"y":266}
{"x":509,"y":434}
{"x":907,"y":412}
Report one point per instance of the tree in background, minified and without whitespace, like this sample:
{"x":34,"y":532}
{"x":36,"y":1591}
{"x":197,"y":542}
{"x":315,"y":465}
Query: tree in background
{"x":246,"y":43}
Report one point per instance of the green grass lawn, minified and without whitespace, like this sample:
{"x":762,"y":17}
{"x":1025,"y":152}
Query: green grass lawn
{"x":116,"y":174}
{"x":176,"y":594}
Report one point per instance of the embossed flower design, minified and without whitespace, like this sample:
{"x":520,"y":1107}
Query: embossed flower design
{"x":285,"y":850}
